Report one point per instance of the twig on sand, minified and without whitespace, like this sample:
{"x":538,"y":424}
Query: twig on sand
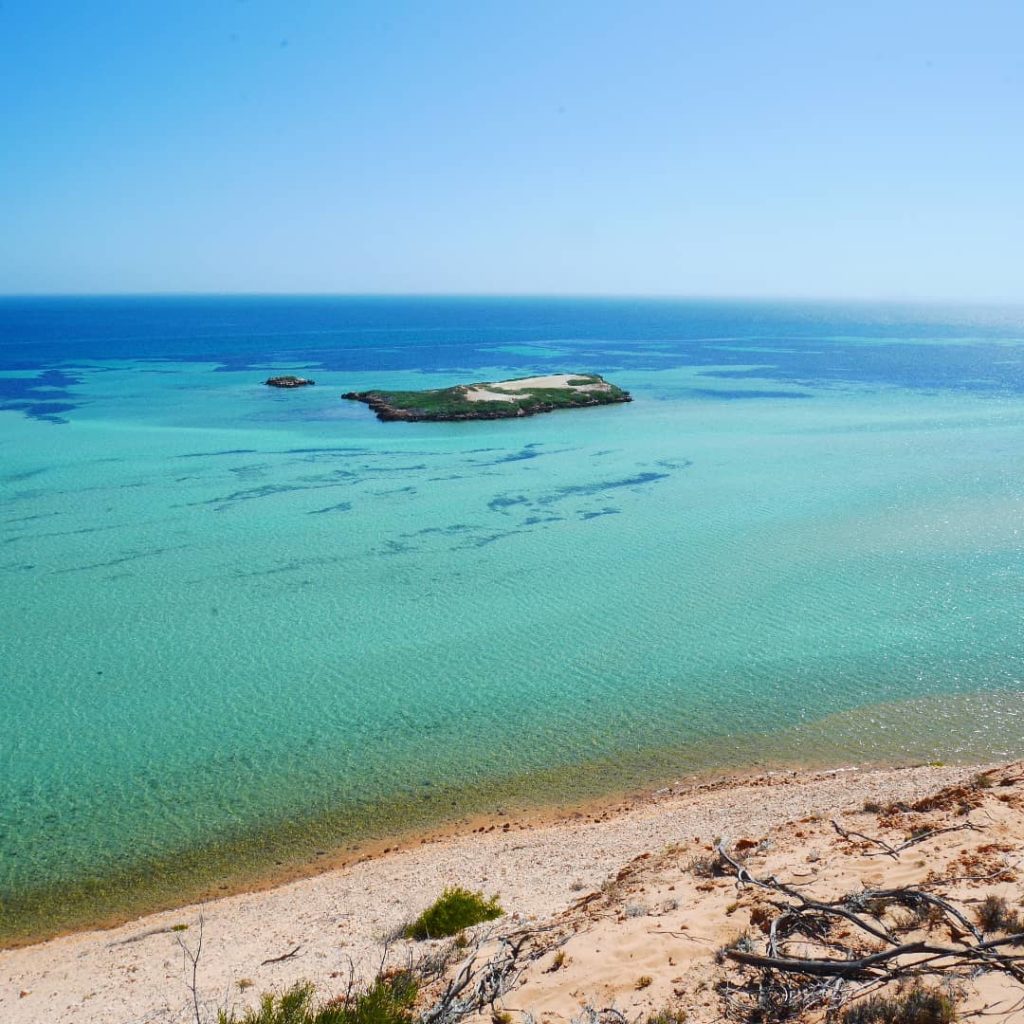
{"x":282,"y":957}
{"x":895,"y":851}
{"x":191,"y":957}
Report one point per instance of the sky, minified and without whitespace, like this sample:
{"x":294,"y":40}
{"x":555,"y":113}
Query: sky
{"x":720,"y":148}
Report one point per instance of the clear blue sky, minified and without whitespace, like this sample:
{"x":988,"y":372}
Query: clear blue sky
{"x":716,"y":148}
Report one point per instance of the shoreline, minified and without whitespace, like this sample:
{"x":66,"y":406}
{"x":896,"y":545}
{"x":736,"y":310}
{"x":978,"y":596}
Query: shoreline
{"x":290,"y":849}
{"x":538,"y":863}
{"x":515,"y":815}
{"x":518,"y":812}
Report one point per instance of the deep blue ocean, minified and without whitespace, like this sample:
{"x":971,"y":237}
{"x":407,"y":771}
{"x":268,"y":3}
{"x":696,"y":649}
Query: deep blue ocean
{"x":239,"y":626}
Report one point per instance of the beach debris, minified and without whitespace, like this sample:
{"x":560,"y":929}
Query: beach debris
{"x":280,"y":959}
{"x":895,"y":851}
{"x":476,"y":986}
{"x":813,"y":959}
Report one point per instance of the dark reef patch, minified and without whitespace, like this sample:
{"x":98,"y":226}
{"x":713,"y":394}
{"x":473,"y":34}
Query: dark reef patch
{"x":256,"y":493}
{"x":527,"y":452}
{"x":491,"y":538}
{"x":586,"y":490}
{"x":225,"y":451}
{"x":445,"y":531}
{"x":28,"y":519}
{"x":601,"y":512}
{"x":47,"y":396}
{"x":342,"y":506}
{"x":28,"y":474}
{"x":132,"y":556}
{"x":502,"y":502}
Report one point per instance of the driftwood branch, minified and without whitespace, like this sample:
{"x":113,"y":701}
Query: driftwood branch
{"x":850,"y":835}
{"x":790,"y":981}
{"x":282,"y":957}
{"x":478,"y":984}
{"x":895,"y":851}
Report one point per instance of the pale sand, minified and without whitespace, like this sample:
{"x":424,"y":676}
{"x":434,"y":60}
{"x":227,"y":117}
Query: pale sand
{"x":661,"y":921}
{"x":481,"y":392}
{"x":134,"y":972}
{"x":555,"y":380}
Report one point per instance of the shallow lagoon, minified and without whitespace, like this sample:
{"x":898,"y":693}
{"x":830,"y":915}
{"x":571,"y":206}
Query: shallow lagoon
{"x":241,"y":625}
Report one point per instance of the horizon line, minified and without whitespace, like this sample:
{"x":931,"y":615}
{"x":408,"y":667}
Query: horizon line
{"x":570,"y":296}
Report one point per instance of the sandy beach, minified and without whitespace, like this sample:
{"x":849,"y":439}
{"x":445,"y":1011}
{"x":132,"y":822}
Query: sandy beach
{"x":543,"y":872}
{"x":484,"y":392}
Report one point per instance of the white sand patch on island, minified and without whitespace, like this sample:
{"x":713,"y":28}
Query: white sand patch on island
{"x":486,"y":393}
{"x":540,"y":870}
{"x":557,"y":380}
{"x":481,"y":393}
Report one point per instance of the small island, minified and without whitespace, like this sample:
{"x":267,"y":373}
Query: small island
{"x":506,"y":399}
{"x":288,"y":382}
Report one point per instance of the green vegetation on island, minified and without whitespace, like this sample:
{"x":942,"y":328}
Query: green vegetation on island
{"x":507,"y":399}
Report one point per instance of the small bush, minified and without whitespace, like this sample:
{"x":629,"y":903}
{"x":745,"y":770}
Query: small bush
{"x":743,"y":943}
{"x":388,"y":1001}
{"x":995,"y":915}
{"x":669,"y":1015}
{"x":916,"y":1006}
{"x":644,"y":981}
{"x":920,"y":916}
{"x":452,"y":911}
{"x":705,"y":865}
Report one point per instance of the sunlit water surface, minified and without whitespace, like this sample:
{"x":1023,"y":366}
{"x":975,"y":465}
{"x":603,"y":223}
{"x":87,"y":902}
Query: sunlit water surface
{"x":239,"y":626}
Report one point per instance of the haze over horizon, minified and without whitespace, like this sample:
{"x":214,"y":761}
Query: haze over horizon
{"x":676,"y":150}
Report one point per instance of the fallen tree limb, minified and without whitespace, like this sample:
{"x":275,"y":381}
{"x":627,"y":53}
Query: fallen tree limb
{"x":829,"y":968}
{"x":787,"y":983}
{"x":283,"y":957}
{"x":895,"y":851}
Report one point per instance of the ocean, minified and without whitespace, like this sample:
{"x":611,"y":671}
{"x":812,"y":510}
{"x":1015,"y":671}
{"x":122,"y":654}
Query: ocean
{"x":241,"y":628}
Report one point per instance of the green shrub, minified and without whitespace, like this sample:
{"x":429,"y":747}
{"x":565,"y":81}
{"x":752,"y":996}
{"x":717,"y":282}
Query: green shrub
{"x":453,"y":910}
{"x":388,"y":1000}
{"x":669,"y":1015}
{"x":916,"y":1006}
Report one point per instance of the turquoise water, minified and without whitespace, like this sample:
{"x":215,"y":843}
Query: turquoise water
{"x":239,"y":623}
